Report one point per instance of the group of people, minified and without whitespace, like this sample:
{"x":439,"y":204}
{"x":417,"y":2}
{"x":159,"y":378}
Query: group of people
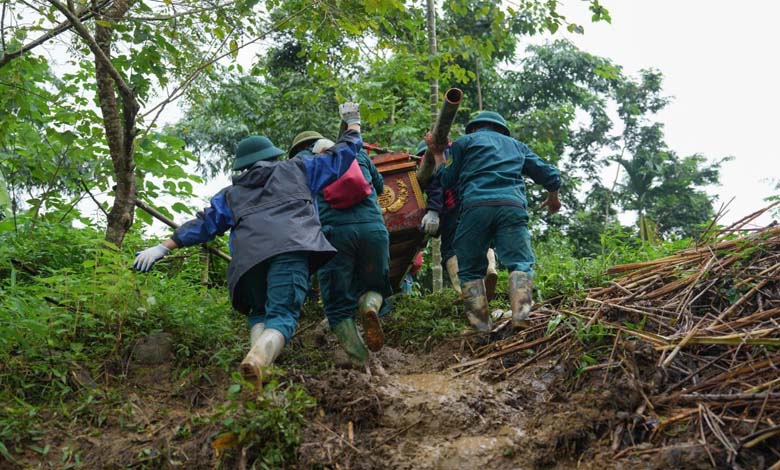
{"x":317,"y":212}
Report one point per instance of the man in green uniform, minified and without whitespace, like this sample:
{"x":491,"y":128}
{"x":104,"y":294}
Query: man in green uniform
{"x":356,"y":279}
{"x":487,"y":167}
{"x":441,"y":219}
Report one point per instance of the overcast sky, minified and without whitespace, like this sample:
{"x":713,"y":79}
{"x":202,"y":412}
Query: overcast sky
{"x":721,"y":64}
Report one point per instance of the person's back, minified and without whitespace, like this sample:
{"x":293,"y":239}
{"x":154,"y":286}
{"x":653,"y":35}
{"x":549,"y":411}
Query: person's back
{"x":487,"y":167}
{"x":357,"y":277}
{"x":367,"y":210}
{"x":491,"y":167}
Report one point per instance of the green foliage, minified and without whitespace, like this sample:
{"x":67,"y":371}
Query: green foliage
{"x":264,"y":426}
{"x":70,"y":302}
{"x":561,"y":271}
{"x":374,"y":52}
{"x":419,"y":320}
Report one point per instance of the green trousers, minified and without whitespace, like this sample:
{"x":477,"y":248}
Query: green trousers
{"x":503,"y":227}
{"x":361,"y":264}
{"x":449,"y":225}
{"x":275,"y":291}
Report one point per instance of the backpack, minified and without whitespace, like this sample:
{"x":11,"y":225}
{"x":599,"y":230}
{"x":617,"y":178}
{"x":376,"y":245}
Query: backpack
{"x":349,"y":189}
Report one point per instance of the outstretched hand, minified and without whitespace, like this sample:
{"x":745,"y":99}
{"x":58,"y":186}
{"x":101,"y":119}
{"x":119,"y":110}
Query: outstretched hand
{"x":145,"y":259}
{"x":552,"y":203}
{"x":350,"y":113}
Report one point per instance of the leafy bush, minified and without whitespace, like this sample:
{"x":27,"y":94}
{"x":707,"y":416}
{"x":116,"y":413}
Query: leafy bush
{"x":71,"y":302}
{"x":432,"y":316}
{"x":264,"y":427}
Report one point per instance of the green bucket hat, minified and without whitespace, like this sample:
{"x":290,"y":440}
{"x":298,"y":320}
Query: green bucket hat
{"x":421,"y":148}
{"x":488,"y":116}
{"x":253,"y":149}
{"x":303,"y":137}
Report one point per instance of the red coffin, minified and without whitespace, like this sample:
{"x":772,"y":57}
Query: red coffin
{"x":403,"y":207}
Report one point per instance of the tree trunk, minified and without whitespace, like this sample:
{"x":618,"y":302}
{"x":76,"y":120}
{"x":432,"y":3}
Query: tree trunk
{"x":120,"y":131}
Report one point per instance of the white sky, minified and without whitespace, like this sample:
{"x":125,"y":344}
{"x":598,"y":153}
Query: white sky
{"x":721,"y":64}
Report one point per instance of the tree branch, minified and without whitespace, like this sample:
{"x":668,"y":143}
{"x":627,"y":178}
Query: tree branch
{"x":179,"y":91}
{"x":2,"y":28}
{"x":174,"y":16}
{"x":124,"y":89}
{"x":97,"y":203}
{"x":57,"y":30}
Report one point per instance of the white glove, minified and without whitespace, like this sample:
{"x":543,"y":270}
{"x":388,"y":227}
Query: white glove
{"x":430,"y":223}
{"x":144,"y":260}
{"x":350,"y":113}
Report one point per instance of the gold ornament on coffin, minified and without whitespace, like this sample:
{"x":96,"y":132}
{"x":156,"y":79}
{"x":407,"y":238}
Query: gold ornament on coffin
{"x":388,"y":200}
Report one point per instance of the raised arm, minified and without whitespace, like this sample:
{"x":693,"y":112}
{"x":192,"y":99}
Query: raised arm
{"x":320,"y":171}
{"x":447,"y":170}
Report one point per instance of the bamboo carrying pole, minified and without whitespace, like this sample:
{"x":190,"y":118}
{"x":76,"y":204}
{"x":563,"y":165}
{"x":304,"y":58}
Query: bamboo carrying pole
{"x":441,"y":126}
{"x":159,"y":216}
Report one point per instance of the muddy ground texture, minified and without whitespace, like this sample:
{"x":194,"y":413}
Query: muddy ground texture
{"x":411,"y":409}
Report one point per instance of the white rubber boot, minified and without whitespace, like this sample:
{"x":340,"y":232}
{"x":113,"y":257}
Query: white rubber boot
{"x":263,"y":353}
{"x":452,"y":271}
{"x":255,"y":332}
{"x":491,"y":276}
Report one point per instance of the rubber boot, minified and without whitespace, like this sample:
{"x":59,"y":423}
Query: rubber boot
{"x":452,"y":270}
{"x":255,"y":332}
{"x":263,"y":353}
{"x":349,"y":338}
{"x":520,"y":298}
{"x":475,"y":303}
{"x":491,"y":276}
{"x":368,"y":306}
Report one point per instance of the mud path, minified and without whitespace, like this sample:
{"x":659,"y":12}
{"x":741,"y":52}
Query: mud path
{"x":410,"y":410}
{"x":415,"y":412}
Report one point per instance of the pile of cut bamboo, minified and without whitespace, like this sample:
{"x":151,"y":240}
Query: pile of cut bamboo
{"x":709,"y":317}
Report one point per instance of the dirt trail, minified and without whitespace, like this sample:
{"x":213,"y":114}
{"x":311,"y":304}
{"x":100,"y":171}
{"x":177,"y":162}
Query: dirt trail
{"x":414,"y":412}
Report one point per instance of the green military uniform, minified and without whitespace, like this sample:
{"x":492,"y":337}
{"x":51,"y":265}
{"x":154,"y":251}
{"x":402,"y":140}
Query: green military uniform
{"x":362,"y":263}
{"x":487,"y":167}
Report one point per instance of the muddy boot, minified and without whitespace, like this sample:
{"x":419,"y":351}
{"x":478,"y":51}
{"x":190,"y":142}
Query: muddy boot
{"x":520,"y":298}
{"x":255,"y":332}
{"x":475,"y":304}
{"x":452,"y":271}
{"x":263,"y":353}
{"x":368,"y":306}
{"x":491,"y":276}
{"x":350,"y":340}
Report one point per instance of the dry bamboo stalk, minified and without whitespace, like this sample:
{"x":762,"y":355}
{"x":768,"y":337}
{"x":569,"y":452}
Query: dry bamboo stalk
{"x":758,"y":388}
{"x":732,"y":373}
{"x":742,"y":299}
{"x":725,"y":397}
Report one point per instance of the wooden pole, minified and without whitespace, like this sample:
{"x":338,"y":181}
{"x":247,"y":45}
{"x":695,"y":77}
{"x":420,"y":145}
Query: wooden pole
{"x":436,"y":270}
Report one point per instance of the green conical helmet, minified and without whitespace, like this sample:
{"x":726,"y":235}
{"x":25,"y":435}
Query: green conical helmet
{"x":303,"y":138}
{"x":491,"y":117}
{"x":253,"y":149}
